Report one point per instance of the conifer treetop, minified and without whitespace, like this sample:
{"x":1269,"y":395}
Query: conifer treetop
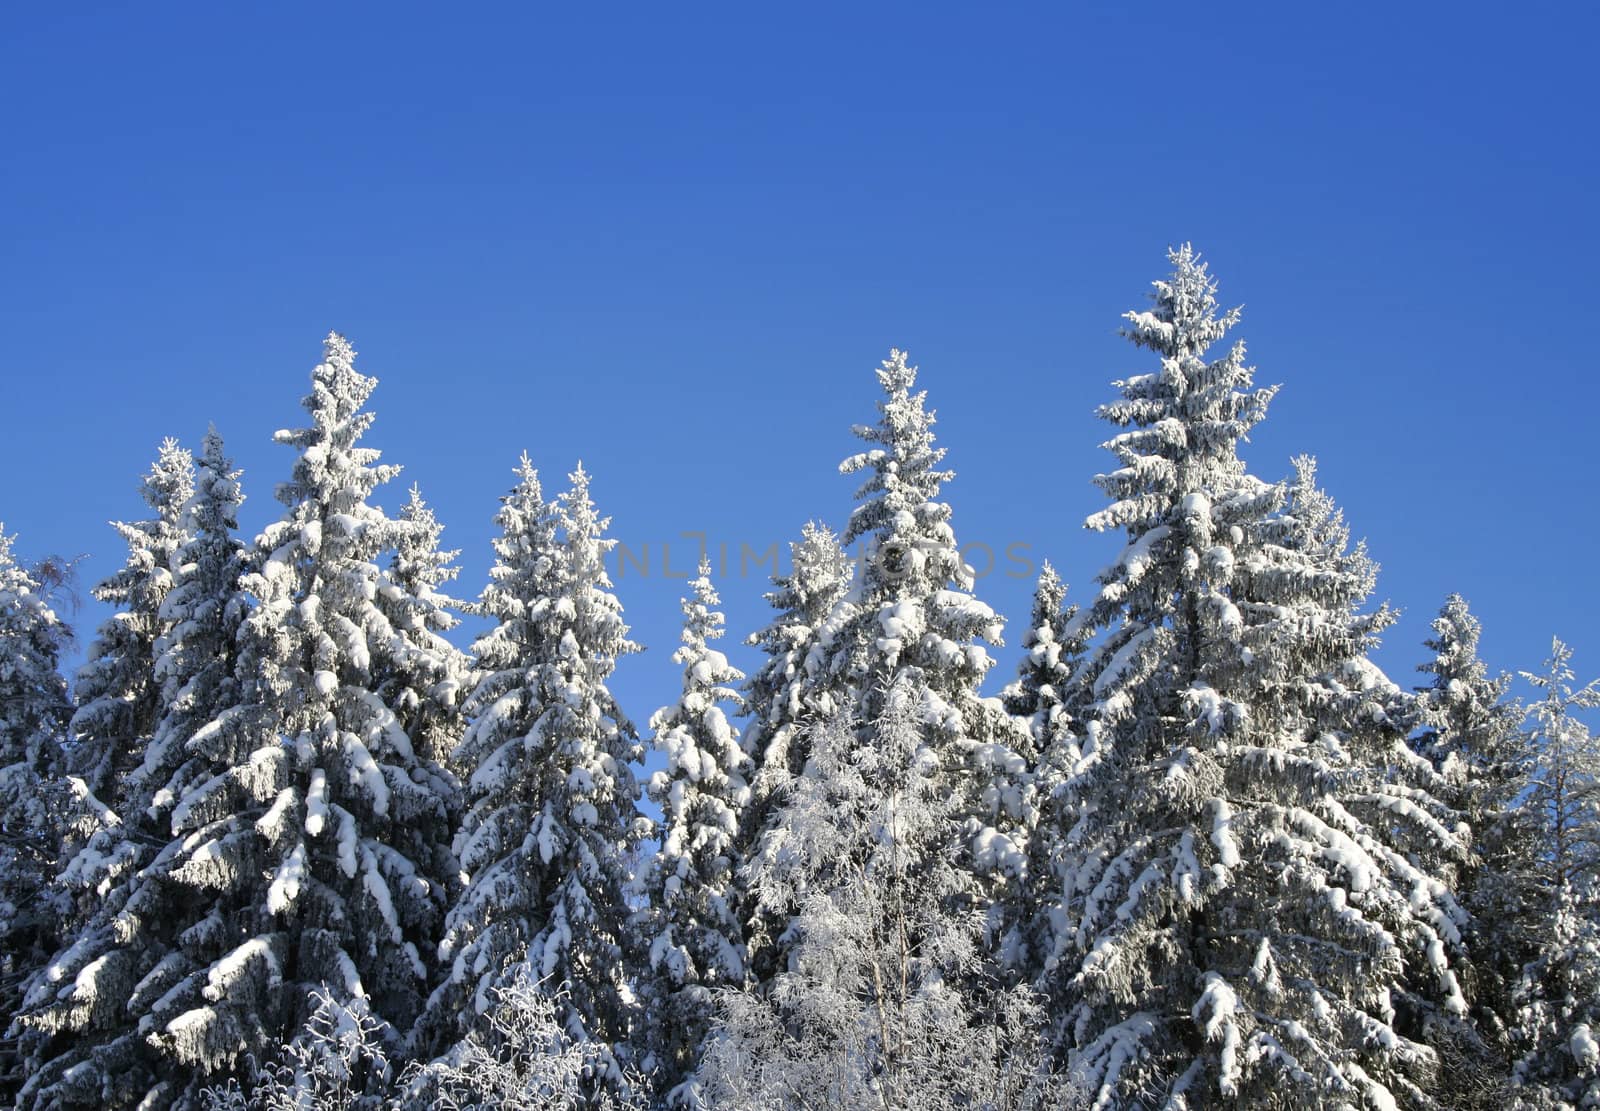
{"x":330,"y":465}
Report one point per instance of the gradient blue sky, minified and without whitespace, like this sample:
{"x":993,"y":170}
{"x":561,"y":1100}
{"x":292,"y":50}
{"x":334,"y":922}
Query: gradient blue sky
{"x":674,"y":242}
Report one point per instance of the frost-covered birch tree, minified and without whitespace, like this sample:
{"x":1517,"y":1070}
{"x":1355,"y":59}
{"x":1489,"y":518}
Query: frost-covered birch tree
{"x":879,"y":1004}
{"x":910,"y":611}
{"x":84,"y":1022}
{"x":547,"y":760}
{"x":1243,"y":881}
{"x":519,"y":1056}
{"x":691,"y":933}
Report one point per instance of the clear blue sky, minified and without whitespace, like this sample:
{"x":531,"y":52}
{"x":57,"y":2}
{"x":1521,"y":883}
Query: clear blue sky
{"x":675,"y":240}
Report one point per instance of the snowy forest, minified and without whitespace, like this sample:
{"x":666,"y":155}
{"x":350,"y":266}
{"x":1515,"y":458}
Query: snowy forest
{"x":287,"y":840}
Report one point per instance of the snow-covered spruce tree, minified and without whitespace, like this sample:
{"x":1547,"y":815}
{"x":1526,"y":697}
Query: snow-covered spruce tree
{"x":423,"y":688}
{"x":547,"y":760}
{"x":1566,"y":777}
{"x":1042,"y":694}
{"x":331,"y":798}
{"x":491,"y":921}
{"x":911,"y":609}
{"x":1429,"y":1004}
{"x":691,"y":930}
{"x":778,"y":697}
{"x":1242,"y":883}
{"x":876,"y":1006}
{"x":1558,"y":1007}
{"x":83,"y":1030}
{"x":33,"y":716}
{"x":304,"y":860}
{"x":118,"y":694}
{"x":1047,"y":704}
{"x":1471,"y":731}
{"x":1558,"y":1015}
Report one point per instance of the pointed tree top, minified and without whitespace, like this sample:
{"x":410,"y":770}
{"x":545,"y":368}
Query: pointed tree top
{"x":1049,"y":581}
{"x":338,"y":390}
{"x":1455,"y":642}
{"x":896,"y":375}
{"x":902,"y":475}
{"x":582,"y":520}
{"x":1184,"y":318}
{"x":211,"y":447}
{"x":170,"y":481}
{"x":702,"y":621}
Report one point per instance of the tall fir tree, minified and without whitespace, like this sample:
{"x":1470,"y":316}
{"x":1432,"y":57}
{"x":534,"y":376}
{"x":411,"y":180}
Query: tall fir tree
{"x":1471,"y":732}
{"x":1042,"y":695}
{"x":118,"y":693}
{"x":692,"y":935}
{"x":202,"y":614}
{"x":1047,"y":703}
{"x":776,"y":696}
{"x":1241,"y":882}
{"x":307,"y":858}
{"x":424,"y":688}
{"x":910,"y":611}
{"x":547,"y":759}
{"x":33,"y":718}
{"x":350,"y":819}
{"x":590,"y":827}
{"x":492,"y":920}
{"x":1566,"y":776}
{"x":1558,"y":1009}
{"x":779,"y":698}
{"x":85,"y":1015}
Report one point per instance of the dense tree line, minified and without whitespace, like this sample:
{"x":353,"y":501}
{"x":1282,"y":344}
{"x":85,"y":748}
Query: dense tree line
{"x":285,"y":844}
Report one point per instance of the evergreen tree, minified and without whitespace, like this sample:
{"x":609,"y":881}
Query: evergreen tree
{"x":1044,"y":700}
{"x":33,"y":716}
{"x":775,"y":697}
{"x":779,"y":701}
{"x":423,"y":687}
{"x":1566,"y":779}
{"x":911,"y":611}
{"x":1242,"y":880}
{"x":505,"y":774}
{"x":85,"y":1014}
{"x":589,"y":828}
{"x":1558,"y":1016}
{"x":304,"y":860}
{"x":1042,"y":694}
{"x":552,"y":801}
{"x":202,"y":614}
{"x":118,"y":694}
{"x":691,"y":928}
{"x":1472,"y":735}
{"x":1558,"y":1009}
